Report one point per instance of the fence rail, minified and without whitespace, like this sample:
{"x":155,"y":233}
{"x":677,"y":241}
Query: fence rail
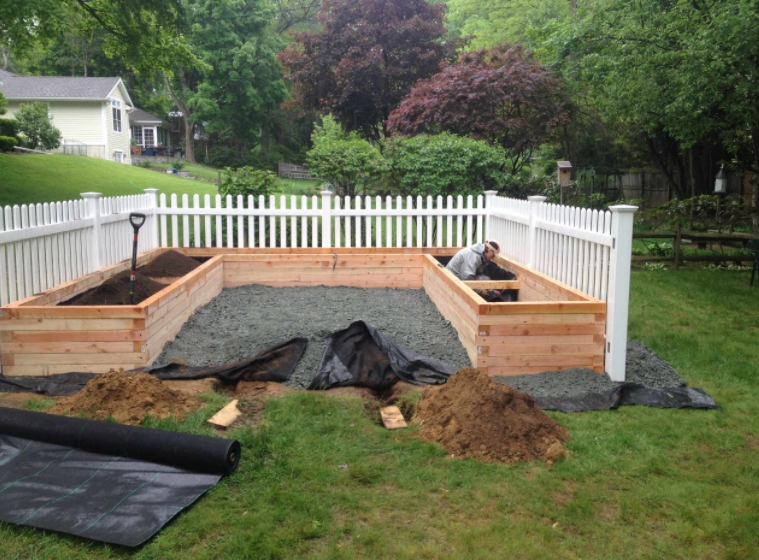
{"x":43,"y":245}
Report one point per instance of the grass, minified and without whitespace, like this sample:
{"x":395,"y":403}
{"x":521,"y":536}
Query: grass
{"x":641,"y":483}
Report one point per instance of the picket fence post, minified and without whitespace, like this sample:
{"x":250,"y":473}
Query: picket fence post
{"x":618,"y":299}
{"x":326,"y":219}
{"x":92,"y":202}
{"x":489,"y":198}
{"x":536,"y":202}
{"x":152,"y":212}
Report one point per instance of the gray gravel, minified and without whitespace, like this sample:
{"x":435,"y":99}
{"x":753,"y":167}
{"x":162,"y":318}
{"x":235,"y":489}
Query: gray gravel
{"x":243,"y":321}
{"x":644,"y":366}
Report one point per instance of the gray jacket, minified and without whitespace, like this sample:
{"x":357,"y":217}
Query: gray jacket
{"x":468,"y":263}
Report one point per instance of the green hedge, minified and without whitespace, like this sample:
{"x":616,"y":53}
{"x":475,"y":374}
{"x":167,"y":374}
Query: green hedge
{"x":7,"y":143}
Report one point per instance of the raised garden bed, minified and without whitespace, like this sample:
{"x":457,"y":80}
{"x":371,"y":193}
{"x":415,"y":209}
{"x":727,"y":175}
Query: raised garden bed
{"x":550,"y":327}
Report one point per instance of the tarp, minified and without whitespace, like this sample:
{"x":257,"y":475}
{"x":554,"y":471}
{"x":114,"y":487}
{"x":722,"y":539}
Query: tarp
{"x":103,"y":481}
{"x":628,"y":394}
{"x":276,"y":363}
{"x":361,"y":355}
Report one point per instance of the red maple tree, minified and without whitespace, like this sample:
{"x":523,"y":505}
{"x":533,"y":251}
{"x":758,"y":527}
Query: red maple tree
{"x":366,"y":57}
{"x":502,"y":95}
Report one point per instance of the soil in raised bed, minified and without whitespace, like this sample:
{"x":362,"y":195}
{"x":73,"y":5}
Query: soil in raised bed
{"x":476,"y":417}
{"x":169,"y":265}
{"x":127,"y":398}
{"x":241,"y":322}
{"x":115,"y":290}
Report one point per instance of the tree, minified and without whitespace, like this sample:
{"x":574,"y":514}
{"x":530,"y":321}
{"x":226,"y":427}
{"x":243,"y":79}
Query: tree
{"x":3,"y":104}
{"x":34,"y":123}
{"x":443,"y":164}
{"x":365,"y":58}
{"x":342,"y":158}
{"x":146,"y":35}
{"x":501,"y":95}
{"x":241,"y":81}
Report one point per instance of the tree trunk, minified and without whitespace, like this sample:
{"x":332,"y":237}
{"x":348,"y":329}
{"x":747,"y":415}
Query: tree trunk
{"x":189,"y":125}
{"x":755,"y":182}
{"x":265,"y":138}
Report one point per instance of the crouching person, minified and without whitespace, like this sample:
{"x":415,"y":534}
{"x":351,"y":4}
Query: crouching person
{"x":469,"y":263}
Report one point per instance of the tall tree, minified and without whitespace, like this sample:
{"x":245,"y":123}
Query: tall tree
{"x":366,"y":57}
{"x":241,"y":80}
{"x":501,"y":94}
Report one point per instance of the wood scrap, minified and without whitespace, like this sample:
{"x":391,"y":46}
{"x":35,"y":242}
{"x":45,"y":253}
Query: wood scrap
{"x":392,"y":418}
{"x":226,"y":416}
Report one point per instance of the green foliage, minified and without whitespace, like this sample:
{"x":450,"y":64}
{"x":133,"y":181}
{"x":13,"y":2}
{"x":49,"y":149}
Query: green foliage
{"x":443,"y":164}
{"x":35,"y":124}
{"x":3,"y":106}
{"x":523,"y":184}
{"x":177,"y":164}
{"x":704,"y":212}
{"x":346,"y":163}
{"x":7,"y":143}
{"x":247,"y":181}
{"x":331,"y":130}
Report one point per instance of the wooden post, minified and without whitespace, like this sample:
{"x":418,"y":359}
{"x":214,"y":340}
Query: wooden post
{"x":536,"y":202}
{"x":326,"y":219}
{"x":678,"y":240}
{"x":92,"y":200}
{"x":489,"y":196}
{"x":618,"y":299}
{"x":152,"y":212}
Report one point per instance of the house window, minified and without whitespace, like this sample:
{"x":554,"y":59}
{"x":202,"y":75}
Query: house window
{"x":148,"y":136}
{"x":116,"y":110}
{"x":118,"y":156}
{"x":174,"y":124}
{"x":137,"y":135}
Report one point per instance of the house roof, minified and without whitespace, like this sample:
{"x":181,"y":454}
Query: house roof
{"x":6,"y":74}
{"x":138,"y":116}
{"x":58,"y":87}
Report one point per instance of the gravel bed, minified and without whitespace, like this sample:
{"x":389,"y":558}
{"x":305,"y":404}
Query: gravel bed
{"x":241,"y":322}
{"x":644,"y":366}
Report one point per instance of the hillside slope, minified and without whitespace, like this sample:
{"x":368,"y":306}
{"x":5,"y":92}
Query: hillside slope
{"x":46,"y":178}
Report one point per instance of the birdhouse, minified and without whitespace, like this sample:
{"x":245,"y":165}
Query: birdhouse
{"x":720,"y":182}
{"x":565,"y":173}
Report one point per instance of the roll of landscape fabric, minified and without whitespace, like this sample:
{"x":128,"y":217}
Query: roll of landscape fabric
{"x":195,"y":453}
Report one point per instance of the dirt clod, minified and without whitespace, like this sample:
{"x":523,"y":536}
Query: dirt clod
{"x":169,"y":264}
{"x":127,"y":398}
{"x":474,"y":416}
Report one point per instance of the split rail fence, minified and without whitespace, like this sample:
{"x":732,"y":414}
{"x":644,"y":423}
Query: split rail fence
{"x":43,"y":245}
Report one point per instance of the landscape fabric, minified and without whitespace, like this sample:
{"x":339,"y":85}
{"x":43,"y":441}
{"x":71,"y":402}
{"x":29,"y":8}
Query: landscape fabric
{"x":103,"y":481}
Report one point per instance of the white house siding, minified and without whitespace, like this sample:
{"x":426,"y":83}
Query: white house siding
{"x":78,"y":121}
{"x":118,"y":140}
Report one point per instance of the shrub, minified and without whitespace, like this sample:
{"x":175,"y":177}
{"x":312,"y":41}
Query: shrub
{"x":8,"y":127}
{"x":247,"y":181}
{"x":444,"y":164}
{"x":178,"y":164}
{"x":346,"y":163}
{"x":34,"y":123}
{"x":7,"y":143}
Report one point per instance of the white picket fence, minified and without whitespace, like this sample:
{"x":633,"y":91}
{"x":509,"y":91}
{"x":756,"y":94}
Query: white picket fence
{"x":43,"y":245}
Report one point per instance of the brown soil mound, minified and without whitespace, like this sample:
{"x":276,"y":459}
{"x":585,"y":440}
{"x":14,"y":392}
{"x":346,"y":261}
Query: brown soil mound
{"x":127,"y":398}
{"x":474,"y":416}
{"x":115,"y":291}
{"x":169,"y":265}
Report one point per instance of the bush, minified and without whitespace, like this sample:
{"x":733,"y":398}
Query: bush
{"x":346,"y":163}
{"x":247,"y":181}
{"x":8,"y":127}
{"x":7,"y":143}
{"x":34,"y":123}
{"x":443,"y":164}
{"x":178,"y":164}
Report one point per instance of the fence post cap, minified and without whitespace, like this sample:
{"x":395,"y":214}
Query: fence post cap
{"x":90,"y":195}
{"x":623,"y":208}
{"x":491,"y":192}
{"x":537,"y":198}
{"x":150,"y":191}
{"x":326,"y":193}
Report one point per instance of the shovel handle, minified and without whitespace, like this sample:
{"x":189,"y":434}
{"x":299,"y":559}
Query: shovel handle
{"x":137,"y":220}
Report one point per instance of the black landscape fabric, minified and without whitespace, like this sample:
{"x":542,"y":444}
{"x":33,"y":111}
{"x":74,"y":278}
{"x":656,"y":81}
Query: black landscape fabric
{"x":103,"y":481}
{"x":361,"y":355}
{"x":629,"y":394}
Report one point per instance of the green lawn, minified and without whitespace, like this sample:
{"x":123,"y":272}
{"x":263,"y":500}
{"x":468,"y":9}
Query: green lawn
{"x":641,"y":482}
{"x":47,"y":178}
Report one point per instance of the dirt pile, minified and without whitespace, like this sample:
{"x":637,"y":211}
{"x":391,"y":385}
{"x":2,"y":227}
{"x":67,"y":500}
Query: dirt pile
{"x":115,"y":291}
{"x":127,"y":398}
{"x":170,"y":264}
{"x":474,"y":416}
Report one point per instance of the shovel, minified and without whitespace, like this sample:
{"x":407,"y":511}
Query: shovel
{"x":137,"y":220}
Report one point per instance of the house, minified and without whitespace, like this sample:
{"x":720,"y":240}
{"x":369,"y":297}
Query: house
{"x":152,"y":134}
{"x":91,"y":113}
